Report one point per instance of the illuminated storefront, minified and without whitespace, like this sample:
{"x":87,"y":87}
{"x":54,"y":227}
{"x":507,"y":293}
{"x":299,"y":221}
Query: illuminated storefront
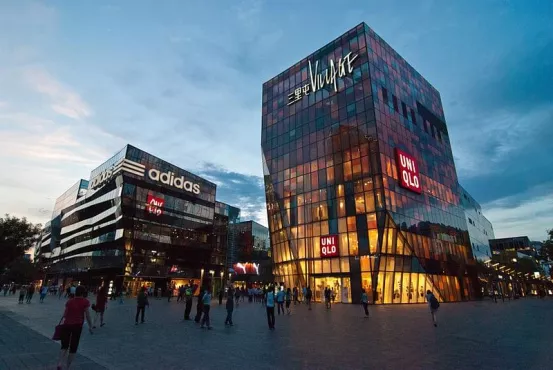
{"x":361,"y":187}
{"x":141,"y":221}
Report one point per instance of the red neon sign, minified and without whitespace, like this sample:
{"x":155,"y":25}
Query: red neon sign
{"x":329,"y":246}
{"x":408,"y":172}
{"x":154,"y":205}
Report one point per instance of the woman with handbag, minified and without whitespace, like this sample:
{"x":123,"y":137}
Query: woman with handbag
{"x":76,"y":310}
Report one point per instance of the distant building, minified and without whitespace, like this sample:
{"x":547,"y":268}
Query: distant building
{"x":479,"y":227}
{"x":514,"y":244}
{"x":250,"y":253}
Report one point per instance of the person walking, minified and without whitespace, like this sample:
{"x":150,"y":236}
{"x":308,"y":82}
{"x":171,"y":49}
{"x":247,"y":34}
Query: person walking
{"x":308,"y":295}
{"x":237,"y":295}
{"x":199,"y":307}
{"x":5,"y":288}
{"x":221,"y":296}
{"x":43,"y":292}
{"x":30,"y":293}
{"x":100,"y":306}
{"x":288,"y":300}
{"x":188,"y":301}
{"x":141,"y":303}
{"x":76,"y":310}
{"x":434,"y":305}
{"x":206,"y":300}
{"x":327,"y":294}
{"x":270,"y":304}
{"x":230,"y":308}
{"x":280,"y":296}
{"x":22,"y":293}
{"x":296,"y":301}
{"x":365,"y":302}
{"x":304,"y":295}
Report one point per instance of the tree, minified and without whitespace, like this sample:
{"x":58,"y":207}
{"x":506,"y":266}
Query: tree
{"x":546,"y":251}
{"x":20,"y":271}
{"x":16,"y":236}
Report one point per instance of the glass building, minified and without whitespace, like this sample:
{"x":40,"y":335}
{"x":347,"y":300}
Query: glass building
{"x":361,"y":186}
{"x":139,"y":221}
{"x":479,"y":227}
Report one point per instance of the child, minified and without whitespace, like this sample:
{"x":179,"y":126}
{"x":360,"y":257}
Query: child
{"x":230,"y":308}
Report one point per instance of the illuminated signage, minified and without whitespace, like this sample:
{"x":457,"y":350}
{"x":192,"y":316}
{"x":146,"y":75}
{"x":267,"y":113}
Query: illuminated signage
{"x":246,"y":268}
{"x":408,"y":172}
{"x":329,"y":246}
{"x":122,"y":165}
{"x":168,"y":178}
{"x":318,"y":80}
{"x":154,"y":205}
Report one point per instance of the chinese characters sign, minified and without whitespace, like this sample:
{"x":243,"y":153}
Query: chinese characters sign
{"x":329,"y":246}
{"x":318,"y":80}
{"x":408,"y":172}
{"x":154,"y":205}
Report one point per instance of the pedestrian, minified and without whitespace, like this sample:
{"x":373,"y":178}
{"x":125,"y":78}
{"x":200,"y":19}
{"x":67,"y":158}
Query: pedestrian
{"x":221,"y":296}
{"x":43,"y":292}
{"x":199,"y":307}
{"x":188,"y":300}
{"x":304,"y":295}
{"x":206,"y":300}
{"x":230,"y":308}
{"x":296,"y":301}
{"x":60,"y":292}
{"x":30,"y":293}
{"x":5,"y":288}
{"x":365,"y":302}
{"x":434,"y":305}
{"x":100,"y":306}
{"x":327,"y":297}
{"x":72,"y":291}
{"x":270,"y":299}
{"x":280,"y":300}
{"x":141,"y":303}
{"x":288,"y":300}
{"x":22,"y":293}
{"x":76,"y":310}
{"x":308,"y":295}
{"x":237,"y":295}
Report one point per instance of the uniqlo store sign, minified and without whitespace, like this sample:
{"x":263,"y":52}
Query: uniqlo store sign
{"x":154,"y":205}
{"x":329,"y":246}
{"x":408,"y":172}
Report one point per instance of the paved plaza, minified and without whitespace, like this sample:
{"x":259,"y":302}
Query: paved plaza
{"x":473,"y":335}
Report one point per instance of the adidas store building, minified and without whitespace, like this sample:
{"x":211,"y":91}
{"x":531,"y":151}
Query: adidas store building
{"x":141,"y":222}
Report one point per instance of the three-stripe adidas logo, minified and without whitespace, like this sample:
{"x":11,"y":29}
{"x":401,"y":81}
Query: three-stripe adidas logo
{"x":123,"y":165}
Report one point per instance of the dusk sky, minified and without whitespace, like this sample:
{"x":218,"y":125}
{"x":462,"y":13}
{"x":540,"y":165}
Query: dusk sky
{"x":182,"y":80}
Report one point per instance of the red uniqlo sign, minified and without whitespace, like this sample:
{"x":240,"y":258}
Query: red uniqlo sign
{"x":329,"y":246}
{"x":154,"y":205}
{"x":408,"y":172}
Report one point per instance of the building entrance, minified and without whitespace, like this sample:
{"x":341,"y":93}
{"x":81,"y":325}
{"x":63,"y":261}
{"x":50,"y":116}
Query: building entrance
{"x":339,"y":286}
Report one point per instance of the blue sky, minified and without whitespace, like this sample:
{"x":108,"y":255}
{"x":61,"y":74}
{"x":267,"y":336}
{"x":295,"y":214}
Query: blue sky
{"x":182,"y":80}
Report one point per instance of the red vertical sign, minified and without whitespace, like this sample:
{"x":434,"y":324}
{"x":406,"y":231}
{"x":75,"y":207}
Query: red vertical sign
{"x":154,"y":205}
{"x":329,"y":246}
{"x":408,"y":172}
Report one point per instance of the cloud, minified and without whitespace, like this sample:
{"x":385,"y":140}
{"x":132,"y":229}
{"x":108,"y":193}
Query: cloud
{"x":528,"y":214}
{"x":243,"y":191}
{"x":63,"y":99}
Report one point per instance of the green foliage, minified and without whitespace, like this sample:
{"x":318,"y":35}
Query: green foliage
{"x":16,"y":236}
{"x":20,"y":271}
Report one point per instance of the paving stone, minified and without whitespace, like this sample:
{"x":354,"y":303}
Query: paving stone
{"x":472,"y":335}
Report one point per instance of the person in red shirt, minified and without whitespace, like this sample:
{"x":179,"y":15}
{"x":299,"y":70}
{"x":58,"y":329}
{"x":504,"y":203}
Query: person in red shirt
{"x":100,"y":307}
{"x":76,"y":310}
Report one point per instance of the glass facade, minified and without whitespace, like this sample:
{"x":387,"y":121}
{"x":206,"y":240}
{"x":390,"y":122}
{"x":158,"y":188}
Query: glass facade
{"x":480,"y":229}
{"x":332,"y":127}
{"x":141,"y":218}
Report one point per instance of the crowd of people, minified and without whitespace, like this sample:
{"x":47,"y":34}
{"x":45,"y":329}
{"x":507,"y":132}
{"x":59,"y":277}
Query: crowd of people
{"x":78,"y":307}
